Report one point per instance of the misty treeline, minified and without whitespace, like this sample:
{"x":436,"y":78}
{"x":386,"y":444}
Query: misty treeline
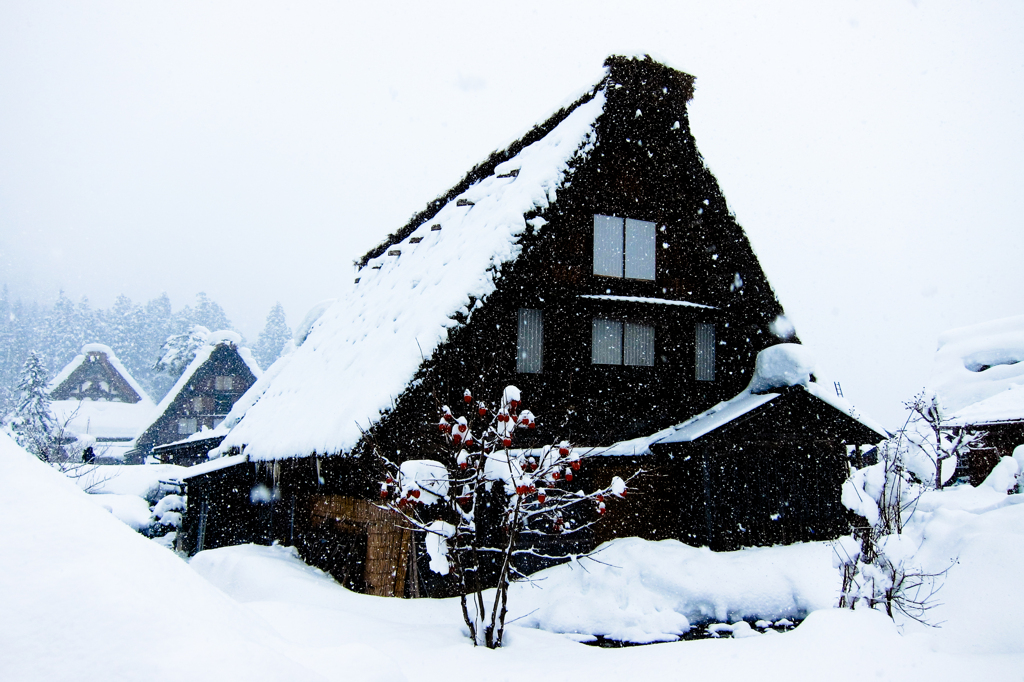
{"x":137,"y":333}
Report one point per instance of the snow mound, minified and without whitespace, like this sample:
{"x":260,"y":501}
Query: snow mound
{"x":123,"y":479}
{"x":642,"y":591}
{"x":978,"y":371}
{"x":131,"y":510}
{"x":87,"y":598}
{"x":781,"y":366}
{"x":224,"y":337}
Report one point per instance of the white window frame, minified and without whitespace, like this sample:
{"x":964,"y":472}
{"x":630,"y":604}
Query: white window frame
{"x":625,"y":248}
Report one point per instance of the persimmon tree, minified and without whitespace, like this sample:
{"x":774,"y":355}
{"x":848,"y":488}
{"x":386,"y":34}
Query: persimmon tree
{"x":490,"y":503}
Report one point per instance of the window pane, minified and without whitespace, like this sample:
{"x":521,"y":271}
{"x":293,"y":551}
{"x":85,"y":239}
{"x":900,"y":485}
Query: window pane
{"x":705,"y":352}
{"x":608,"y":246}
{"x":640,"y":243}
{"x":530,"y":344}
{"x":638,"y":348}
{"x":606,"y":343}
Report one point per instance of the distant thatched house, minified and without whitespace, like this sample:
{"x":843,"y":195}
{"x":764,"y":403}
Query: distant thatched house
{"x":198,"y":402}
{"x":96,"y":399}
{"x":594,"y":264}
{"x":978,"y":378}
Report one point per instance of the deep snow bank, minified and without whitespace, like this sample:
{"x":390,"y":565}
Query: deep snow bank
{"x":641,"y":591}
{"x":84,"y":597}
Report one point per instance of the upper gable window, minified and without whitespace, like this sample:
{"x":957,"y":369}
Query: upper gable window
{"x":224,"y":383}
{"x":624,"y":247}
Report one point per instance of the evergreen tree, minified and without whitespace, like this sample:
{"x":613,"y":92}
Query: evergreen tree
{"x":63,"y":331}
{"x":209,"y":314}
{"x":157,"y":326}
{"x":126,"y":335}
{"x":32,"y":422}
{"x":273,"y":337}
{"x":7,"y":352}
{"x":179,"y":350}
{"x":25,"y":324}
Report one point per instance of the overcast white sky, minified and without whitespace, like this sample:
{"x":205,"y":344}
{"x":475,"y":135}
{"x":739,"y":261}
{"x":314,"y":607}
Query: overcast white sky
{"x":873,"y":151}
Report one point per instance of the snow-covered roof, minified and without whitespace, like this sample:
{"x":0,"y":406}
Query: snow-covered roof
{"x":103,"y":419}
{"x":715,"y":417}
{"x":112,"y":358}
{"x":777,"y":367}
{"x":212,"y":465}
{"x":978,"y":372}
{"x":365,"y":348}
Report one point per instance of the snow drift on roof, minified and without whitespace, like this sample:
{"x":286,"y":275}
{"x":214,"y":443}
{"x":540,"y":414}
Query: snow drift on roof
{"x":367,"y":346}
{"x":103,"y":419}
{"x":978,"y":371}
{"x":777,"y":367}
{"x":111,"y":358}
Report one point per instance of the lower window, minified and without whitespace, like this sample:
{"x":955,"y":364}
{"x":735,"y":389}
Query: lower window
{"x":530,"y":341}
{"x":614,"y":342}
{"x":705,"y":345}
{"x":187,"y":426}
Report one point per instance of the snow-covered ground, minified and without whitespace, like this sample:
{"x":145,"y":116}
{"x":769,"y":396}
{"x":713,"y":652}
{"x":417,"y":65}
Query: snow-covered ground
{"x":86,"y":598}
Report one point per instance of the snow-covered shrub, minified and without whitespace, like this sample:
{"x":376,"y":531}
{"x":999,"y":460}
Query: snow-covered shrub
{"x":934,"y":447}
{"x":527,"y":495}
{"x":877,"y":561}
{"x":165,"y":514}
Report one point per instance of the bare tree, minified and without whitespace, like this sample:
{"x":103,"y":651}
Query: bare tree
{"x":877,"y":568}
{"x":929,"y":431}
{"x":529,"y":488}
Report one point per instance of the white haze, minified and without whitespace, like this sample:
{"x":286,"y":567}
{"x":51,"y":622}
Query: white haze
{"x":253,"y":150}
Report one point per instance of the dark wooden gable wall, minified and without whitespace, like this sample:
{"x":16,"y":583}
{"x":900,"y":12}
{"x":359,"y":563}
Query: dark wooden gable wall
{"x":200,"y":398}
{"x":645,"y":166}
{"x":96,"y":368}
